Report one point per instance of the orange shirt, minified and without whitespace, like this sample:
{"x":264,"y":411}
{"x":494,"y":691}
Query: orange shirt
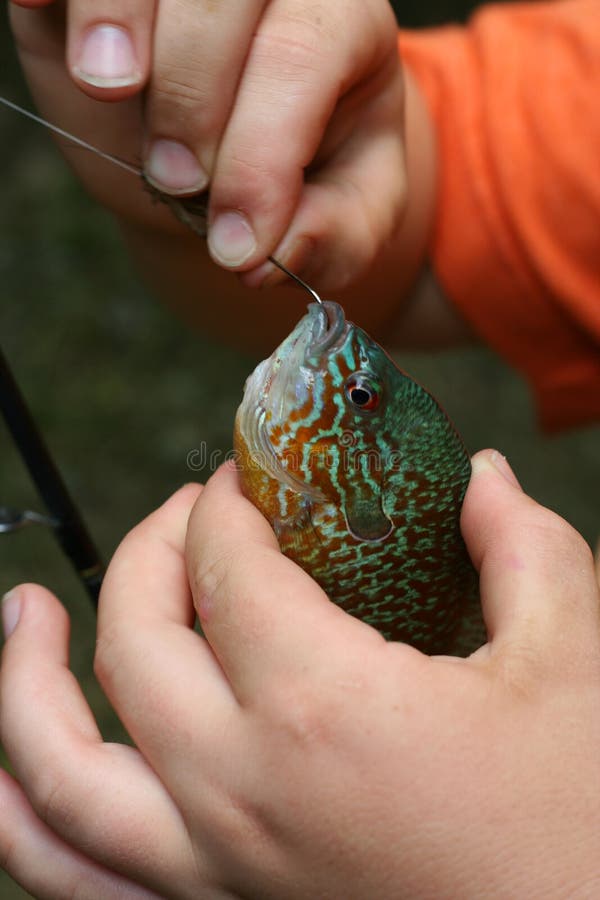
{"x":515,"y":98}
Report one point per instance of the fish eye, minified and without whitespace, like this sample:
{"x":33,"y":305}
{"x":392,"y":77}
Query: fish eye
{"x":362,"y":391}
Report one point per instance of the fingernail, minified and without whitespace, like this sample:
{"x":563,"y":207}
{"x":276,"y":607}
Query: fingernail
{"x":173,"y":168}
{"x":231,"y":240}
{"x":107,"y":58}
{"x":496,"y":461}
{"x":501,"y":465}
{"x":11,"y":610}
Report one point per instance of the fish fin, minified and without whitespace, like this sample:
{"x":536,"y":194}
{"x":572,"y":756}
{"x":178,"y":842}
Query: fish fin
{"x":366,"y":518}
{"x":291,"y":532}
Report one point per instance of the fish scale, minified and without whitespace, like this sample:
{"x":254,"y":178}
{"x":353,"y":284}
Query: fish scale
{"x":362,"y":476}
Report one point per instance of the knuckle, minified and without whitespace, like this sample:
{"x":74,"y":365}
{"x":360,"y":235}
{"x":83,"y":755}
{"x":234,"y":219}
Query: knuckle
{"x":249,"y":169}
{"x":522,"y":666}
{"x":246,"y":826}
{"x":214,"y":574}
{"x":48,"y":795}
{"x":178,"y":99}
{"x":179,"y":84}
{"x":253,"y":178}
{"x":562,"y":544}
{"x":304,"y":715}
{"x":290,"y":46}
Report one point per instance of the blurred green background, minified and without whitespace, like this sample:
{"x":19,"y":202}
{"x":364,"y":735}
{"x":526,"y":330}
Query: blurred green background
{"x":122,"y":391}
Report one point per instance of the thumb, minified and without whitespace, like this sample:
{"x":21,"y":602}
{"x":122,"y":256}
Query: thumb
{"x":538,"y":586}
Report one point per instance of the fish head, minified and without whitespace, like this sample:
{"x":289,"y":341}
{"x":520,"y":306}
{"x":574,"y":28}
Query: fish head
{"x":314,"y":418}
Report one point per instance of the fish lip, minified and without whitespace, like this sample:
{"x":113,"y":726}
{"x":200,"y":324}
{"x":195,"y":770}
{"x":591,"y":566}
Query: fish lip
{"x":328,"y":326}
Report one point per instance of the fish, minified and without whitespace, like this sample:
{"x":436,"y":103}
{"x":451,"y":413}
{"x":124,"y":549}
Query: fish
{"x":362,"y":476}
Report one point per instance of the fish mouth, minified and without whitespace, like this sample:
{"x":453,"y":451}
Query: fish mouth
{"x":328,"y":326}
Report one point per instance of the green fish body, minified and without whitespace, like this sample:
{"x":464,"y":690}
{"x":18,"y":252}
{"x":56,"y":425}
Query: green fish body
{"x":362,"y":476}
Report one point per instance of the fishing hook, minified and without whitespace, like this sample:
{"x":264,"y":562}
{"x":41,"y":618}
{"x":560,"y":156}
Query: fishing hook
{"x":297,"y":278}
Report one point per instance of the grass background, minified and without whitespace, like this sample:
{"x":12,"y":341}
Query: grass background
{"x":122,"y":391}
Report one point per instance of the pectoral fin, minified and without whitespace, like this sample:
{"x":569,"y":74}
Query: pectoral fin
{"x":296,"y":531}
{"x":366,"y":518}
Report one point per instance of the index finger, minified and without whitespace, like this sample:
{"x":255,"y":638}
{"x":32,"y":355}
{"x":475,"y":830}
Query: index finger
{"x":159,"y":674}
{"x":263,"y":616}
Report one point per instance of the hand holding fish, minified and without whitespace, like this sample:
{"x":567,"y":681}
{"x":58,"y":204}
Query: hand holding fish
{"x":292,"y":113}
{"x":294,"y":752}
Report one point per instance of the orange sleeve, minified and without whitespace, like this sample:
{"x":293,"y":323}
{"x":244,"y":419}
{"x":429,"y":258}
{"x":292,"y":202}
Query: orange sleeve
{"x":515,"y":98}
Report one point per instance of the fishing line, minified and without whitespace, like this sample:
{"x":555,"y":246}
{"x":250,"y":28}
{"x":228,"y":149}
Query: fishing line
{"x":70,"y":137}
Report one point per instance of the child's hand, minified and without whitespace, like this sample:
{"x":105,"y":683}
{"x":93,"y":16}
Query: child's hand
{"x":296,"y":754}
{"x":292,"y":112}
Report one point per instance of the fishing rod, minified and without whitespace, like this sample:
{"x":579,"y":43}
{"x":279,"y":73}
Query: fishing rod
{"x":63,"y":516}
